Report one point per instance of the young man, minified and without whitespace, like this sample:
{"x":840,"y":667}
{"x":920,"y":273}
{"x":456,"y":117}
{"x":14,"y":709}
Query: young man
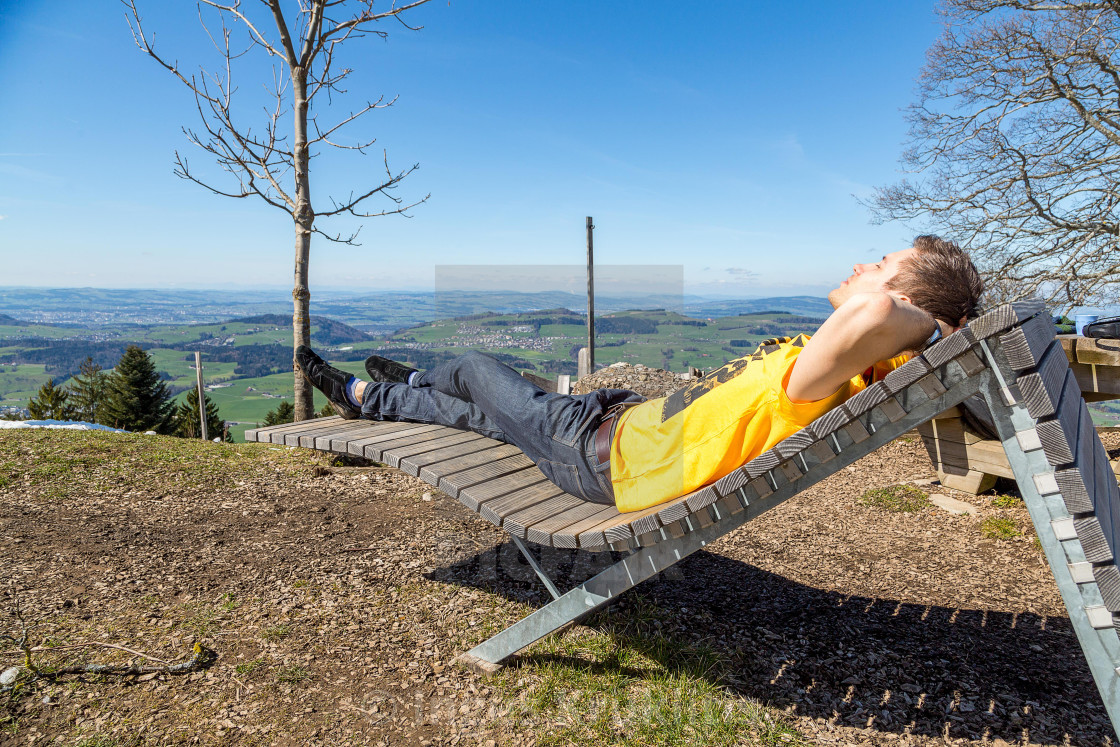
{"x":613,"y":446}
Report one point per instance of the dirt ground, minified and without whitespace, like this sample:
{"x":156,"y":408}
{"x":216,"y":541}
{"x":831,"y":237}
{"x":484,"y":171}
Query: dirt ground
{"x":335,"y":598}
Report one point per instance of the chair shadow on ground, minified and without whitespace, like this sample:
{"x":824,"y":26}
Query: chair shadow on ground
{"x":856,"y":661}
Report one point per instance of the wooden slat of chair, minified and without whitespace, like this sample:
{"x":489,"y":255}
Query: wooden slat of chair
{"x":393,"y":456}
{"x":1025,"y":345}
{"x":795,"y":444}
{"x":413,"y":463}
{"x":307,"y":436}
{"x":831,"y":421}
{"x":433,"y":473}
{"x":368,"y":446}
{"x":378,"y":447}
{"x":949,"y":348}
{"x":678,"y":508}
{"x":1077,"y":482}
{"x":702,"y":498}
{"x":1041,"y":391}
{"x":763,"y":463}
{"x":264,"y":434}
{"x":544,"y":529}
{"x":290,"y":436}
{"x":342,"y":429}
{"x":1059,"y":434}
{"x":732,"y":481}
{"x":377,"y":431}
{"x":1108,"y":581}
{"x":594,"y":536}
{"x":1088,"y":526}
{"x":1092,"y":539}
{"x":518,"y":522}
{"x":474,"y":496}
{"x":1106,"y":496}
{"x":494,"y":509}
{"x":868,"y":398}
{"x":454,"y":484}
{"x":647,"y":520}
{"x":1004,"y":316}
{"x":567,"y":536}
{"x":338,"y":439}
{"x":907,"y":374}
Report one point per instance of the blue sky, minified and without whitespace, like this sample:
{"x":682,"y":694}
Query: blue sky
{"x":727,"y":137}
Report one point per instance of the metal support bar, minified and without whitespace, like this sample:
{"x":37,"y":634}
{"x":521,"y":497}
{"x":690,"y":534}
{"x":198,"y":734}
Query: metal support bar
{"x":1081,"y":596}
{"x":540,"y":573}
{"x":647,"y":562}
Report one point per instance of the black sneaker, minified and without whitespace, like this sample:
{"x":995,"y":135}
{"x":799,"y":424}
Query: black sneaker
{"x":328,"y":380}
{"x":387,"y":371}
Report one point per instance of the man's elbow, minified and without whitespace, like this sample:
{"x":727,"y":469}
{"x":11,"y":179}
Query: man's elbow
{"x":870,"y":310}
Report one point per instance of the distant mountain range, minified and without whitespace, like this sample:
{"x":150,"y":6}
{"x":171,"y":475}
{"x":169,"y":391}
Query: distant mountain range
{"x":375,"y":313}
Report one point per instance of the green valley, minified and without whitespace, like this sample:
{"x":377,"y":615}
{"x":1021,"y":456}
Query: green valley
{"x":247,"y":361}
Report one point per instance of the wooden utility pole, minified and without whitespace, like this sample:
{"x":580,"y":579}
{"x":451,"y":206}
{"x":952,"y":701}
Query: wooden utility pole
{"x":590,"y":298}
{"x":201,"y":398}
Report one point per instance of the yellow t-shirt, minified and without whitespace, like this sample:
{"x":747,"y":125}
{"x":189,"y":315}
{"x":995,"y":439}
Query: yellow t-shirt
{"x":670,"y":446}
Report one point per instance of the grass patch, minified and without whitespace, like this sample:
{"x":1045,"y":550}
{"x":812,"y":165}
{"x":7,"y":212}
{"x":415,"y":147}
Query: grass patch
{"x":53,"y":461}
{"x":998,"y":528}
{"x":248,"y":666}
{"x":293,"y":673}
{"x":896,"y":498}
{"x":203,"y":621}
{"x":1005,"y":501}
{"x":276,"y":633}
{"x":627,"y":684}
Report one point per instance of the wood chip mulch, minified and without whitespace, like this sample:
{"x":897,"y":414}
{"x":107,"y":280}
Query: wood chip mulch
{"x":335,"y":599}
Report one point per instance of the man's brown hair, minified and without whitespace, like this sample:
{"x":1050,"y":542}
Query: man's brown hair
{"x":941,"y":280}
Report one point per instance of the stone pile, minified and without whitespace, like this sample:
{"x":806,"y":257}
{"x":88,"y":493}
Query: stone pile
{"x":649,"y":382}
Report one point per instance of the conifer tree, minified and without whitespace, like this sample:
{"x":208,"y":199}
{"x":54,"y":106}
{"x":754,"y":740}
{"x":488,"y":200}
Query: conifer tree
{"x":51,"y":403}
{"x":88,"y":391}
{"x":284,"y":413}
{"x":137,"y":400}
{"x":187,"y":423}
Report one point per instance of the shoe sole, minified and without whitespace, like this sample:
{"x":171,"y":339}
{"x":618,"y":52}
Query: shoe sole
{"x":346,"y":412}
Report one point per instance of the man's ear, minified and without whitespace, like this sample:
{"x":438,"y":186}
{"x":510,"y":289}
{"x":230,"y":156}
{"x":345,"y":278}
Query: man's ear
{"x":900,"y":296}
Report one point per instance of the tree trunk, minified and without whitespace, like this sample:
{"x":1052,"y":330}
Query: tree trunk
{"x":304,"y":218}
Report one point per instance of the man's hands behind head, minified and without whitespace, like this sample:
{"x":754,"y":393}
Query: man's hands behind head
{"x":865,"y":329}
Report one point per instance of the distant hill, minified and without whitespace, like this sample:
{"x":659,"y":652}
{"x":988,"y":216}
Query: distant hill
{"x":378,"y":312}
{"x":11,"y":321}
{"x":814,"y":306}
{"x":329,"y":332}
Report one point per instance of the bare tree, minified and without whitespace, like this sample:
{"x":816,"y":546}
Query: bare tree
{"x":1016,"y":138}
{"x":261,"y":158}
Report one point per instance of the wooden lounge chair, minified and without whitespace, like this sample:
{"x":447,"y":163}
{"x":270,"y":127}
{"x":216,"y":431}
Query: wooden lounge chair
{"x":1009,"y":356}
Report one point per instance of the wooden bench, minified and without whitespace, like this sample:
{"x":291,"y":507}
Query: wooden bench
{"x":968,"y":459}
{"x":1009,"y":356}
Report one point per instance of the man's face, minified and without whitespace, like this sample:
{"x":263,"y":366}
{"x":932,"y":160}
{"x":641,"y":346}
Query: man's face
{"x":870,"y":278}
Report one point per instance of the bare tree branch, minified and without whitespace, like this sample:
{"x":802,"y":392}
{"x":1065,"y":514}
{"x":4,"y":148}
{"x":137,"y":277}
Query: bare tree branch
{"x":1015,"y":138}
{"x":271,"y":163}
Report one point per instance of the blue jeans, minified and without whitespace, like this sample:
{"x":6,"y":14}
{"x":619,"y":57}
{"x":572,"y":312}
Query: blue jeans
{"x":477,"y":393}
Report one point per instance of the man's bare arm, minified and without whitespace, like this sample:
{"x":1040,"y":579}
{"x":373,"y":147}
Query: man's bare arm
{"x":868,"y":328}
